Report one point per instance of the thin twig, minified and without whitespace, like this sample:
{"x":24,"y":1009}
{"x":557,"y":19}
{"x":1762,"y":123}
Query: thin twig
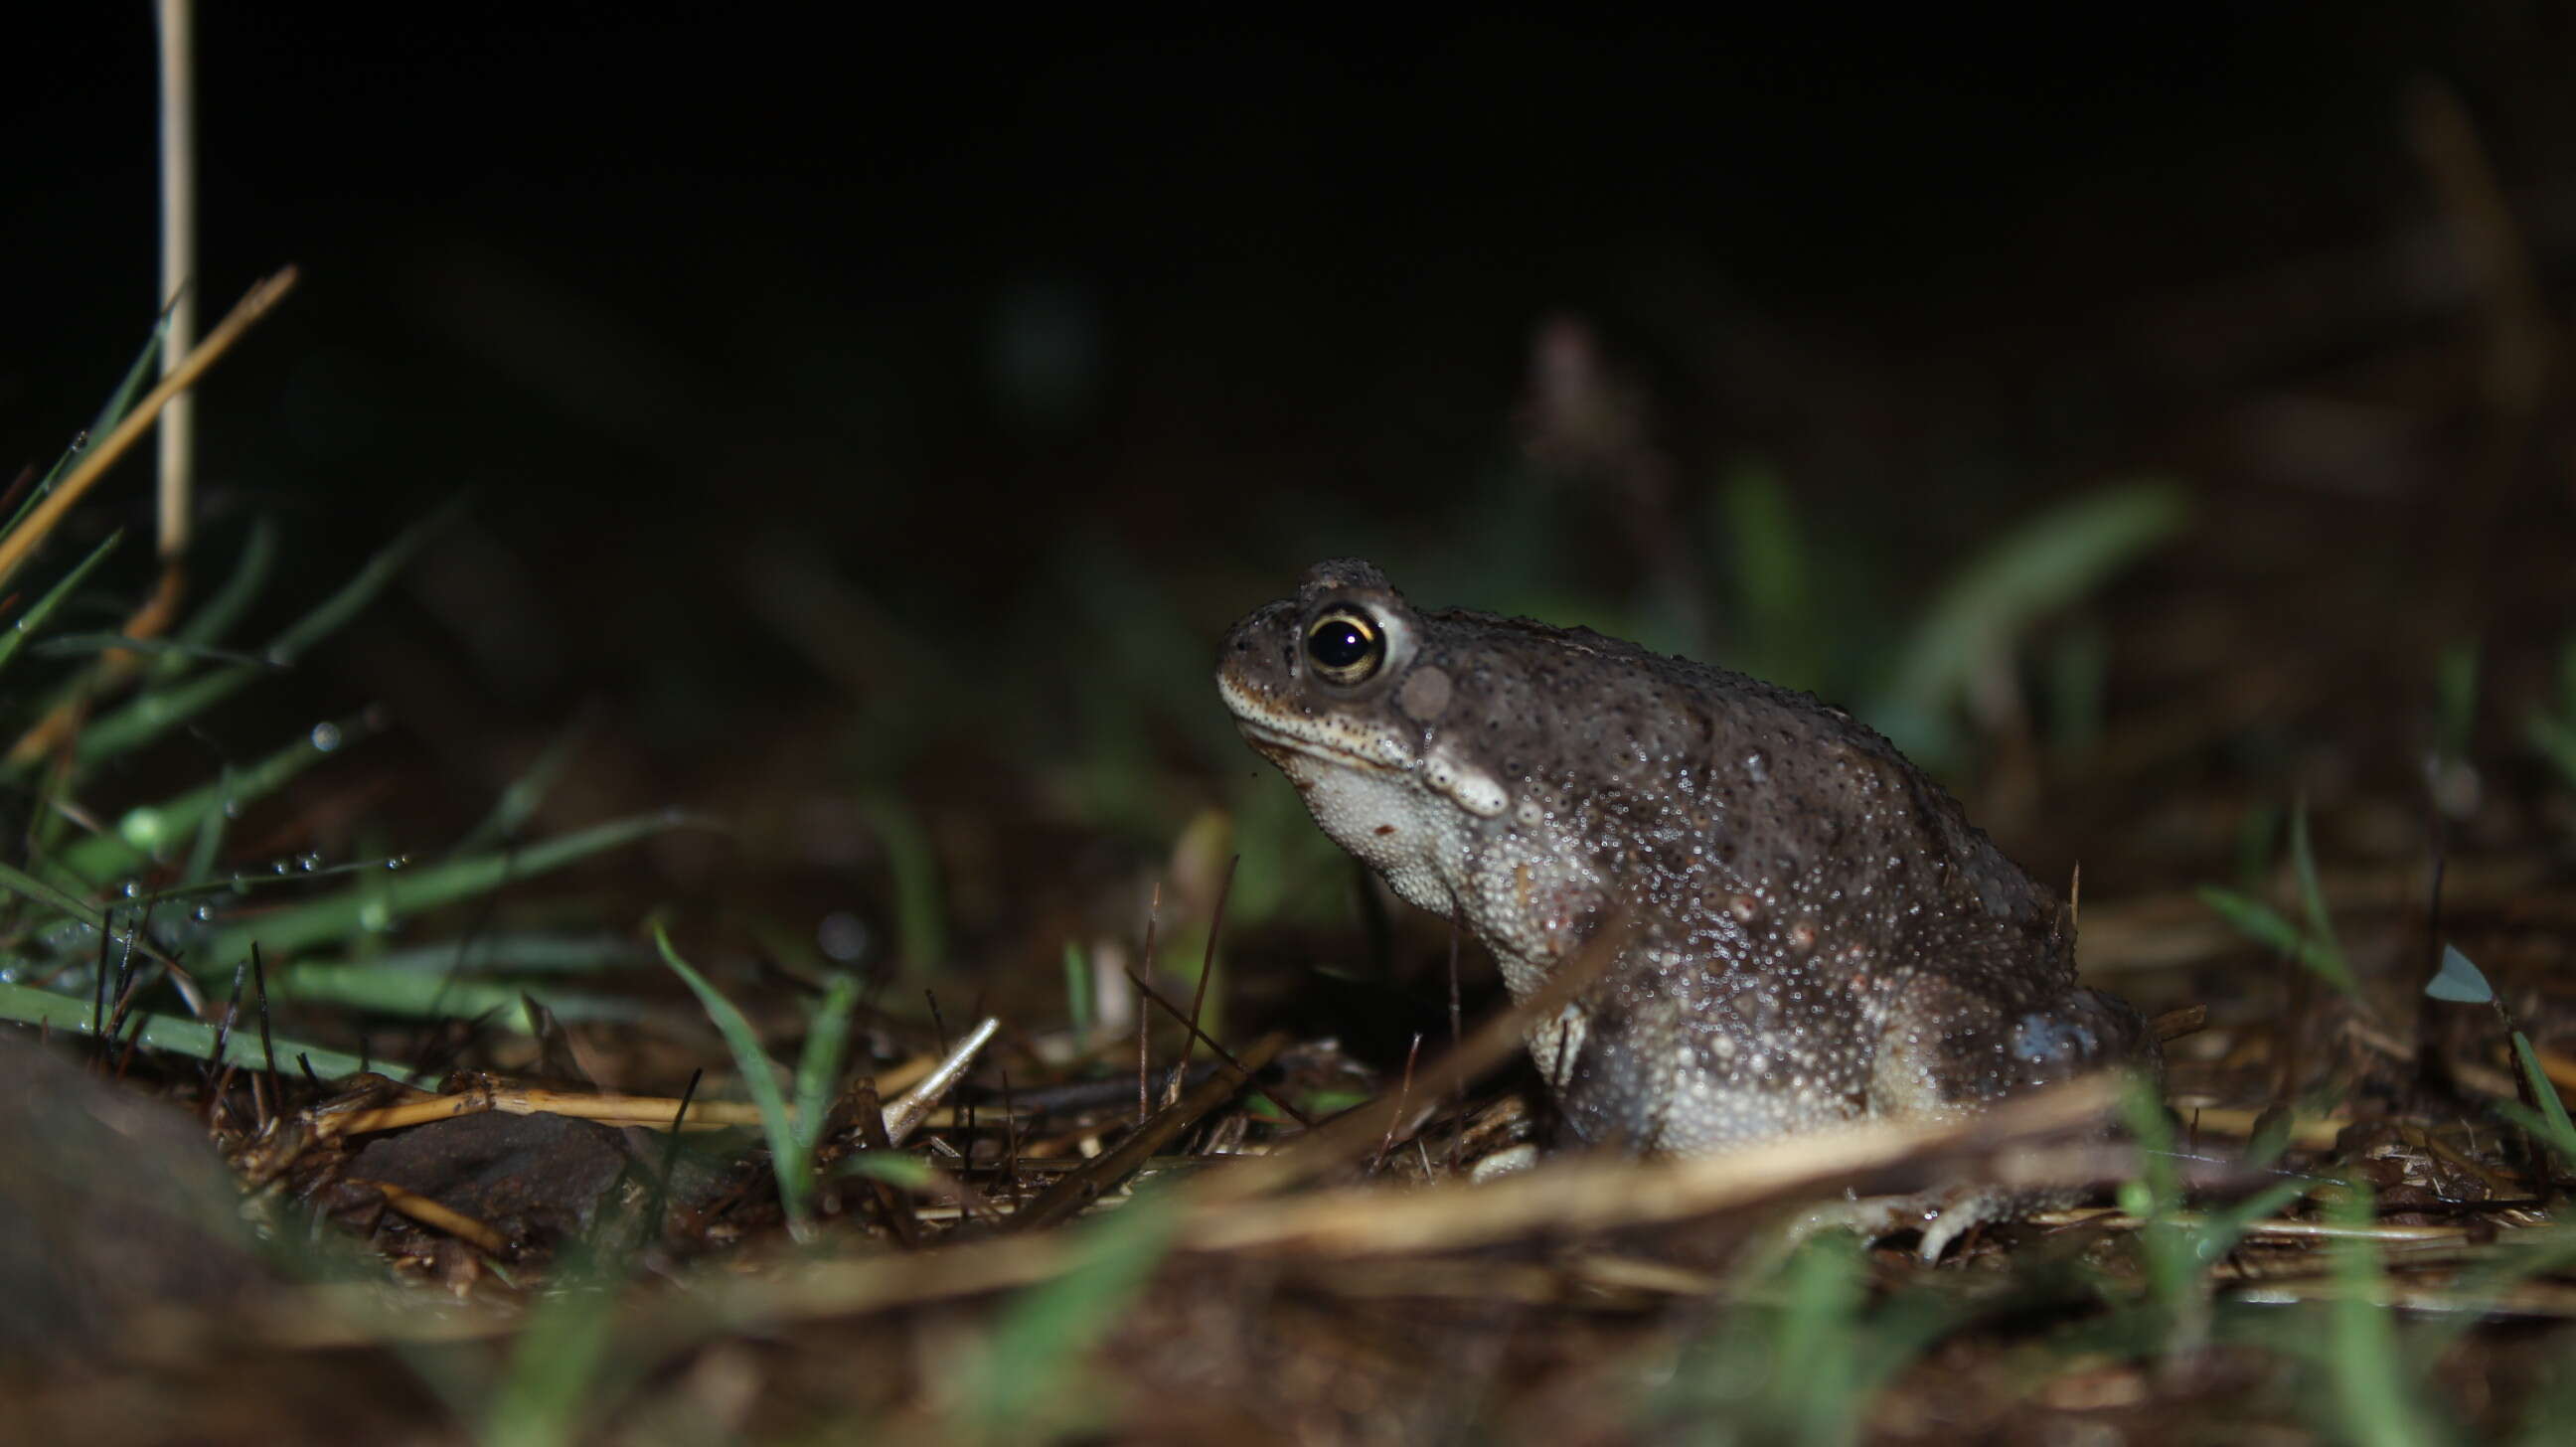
{"x":267,"y":1044}
{"x":1081,"y":1187}
{"x":1196,"y":1033}
{"x":1144,"y":1046}
{"x":1403,"y":1089}
{"x":1207,"y":969}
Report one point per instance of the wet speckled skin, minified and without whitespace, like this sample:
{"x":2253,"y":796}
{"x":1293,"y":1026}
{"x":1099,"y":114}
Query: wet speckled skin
{"x":1815,"y":935}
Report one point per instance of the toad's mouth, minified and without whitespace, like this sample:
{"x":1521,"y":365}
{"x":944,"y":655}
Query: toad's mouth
{"x":1292,"y":740}
{"x":1280,"y":746}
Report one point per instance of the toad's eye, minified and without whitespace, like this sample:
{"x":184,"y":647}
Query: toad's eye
{"x":1346,"y":646}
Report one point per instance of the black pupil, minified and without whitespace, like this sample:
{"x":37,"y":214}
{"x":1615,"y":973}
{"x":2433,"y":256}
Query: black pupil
{"x":1339,"y":643}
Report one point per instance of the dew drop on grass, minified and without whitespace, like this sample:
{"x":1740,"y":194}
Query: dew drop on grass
{"x":143,"y":829}
{"x":326,"y":737}
{"x":843,"y":936}
{"x":308,"y":862}
{"x":398,"y":861}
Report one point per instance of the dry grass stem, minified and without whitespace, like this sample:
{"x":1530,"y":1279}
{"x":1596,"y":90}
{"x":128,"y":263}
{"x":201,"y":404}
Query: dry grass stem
{"x":906,"y":1114}
{"x":40,"y":523}
{"x":1094,"y":1179}
{"x":158,"y":611}
{"x":1588,"y":1196}
{"x":430,"y":1213}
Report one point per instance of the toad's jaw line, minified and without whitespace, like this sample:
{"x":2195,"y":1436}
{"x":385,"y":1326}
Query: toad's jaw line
{"x":1273,"y":741}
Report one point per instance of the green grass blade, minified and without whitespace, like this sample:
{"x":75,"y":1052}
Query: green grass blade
{"x":521,"y":953}
{"x":1027,"y":1372}
{"x":347,"y":911}
{"x":209,"y":843}
{"x":119,"y":402}
{"x":149,"y":716}
{"x":2557,"y":1130}
{"x":555,"y":1363}
{"x":2038,"y":568}
{"x":81,"y":645}
{"x":525,"y":794}
{"x":423,"y":995}
{"x":34,"y":618}
{"x":2372,"y":1384}
{"x":196,"y":1038}
{"x":152,"y":714}
{"x":896,"y":1169}
{"x":2526,"y":1255}
{"x":759,"y":1077}
{"x":27,"y":886}
{"x":1902,"y":1331}
{"x":1078,"y":988}
{"x":225,"y":606}
{"x":1772,"y":572}
{"x":2219,"y":1231}
{"x":149,"y":832}
{"x":2266,"y":926}
{"x":2154,"y":1196}
{"x":2327,"y":958}
{"x":1805,"y":1354}
{"x":921,"y":923}
{"x":827,"y":1040}
{"x":137,"y":379}
{"x":2257,"y":838}
{"x":1819,"y":1329}
{"x":359,"y":591}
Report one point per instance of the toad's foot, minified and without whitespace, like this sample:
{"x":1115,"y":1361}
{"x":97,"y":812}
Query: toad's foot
{"x":1942,"y":1216}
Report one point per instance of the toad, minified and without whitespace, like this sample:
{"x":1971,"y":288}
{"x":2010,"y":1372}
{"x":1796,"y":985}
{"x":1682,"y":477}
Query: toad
{"x":1811,"y":933}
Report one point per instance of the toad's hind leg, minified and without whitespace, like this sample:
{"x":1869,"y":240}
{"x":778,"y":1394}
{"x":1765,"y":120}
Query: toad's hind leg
{"x":1952,"y":1051}
{"x":1950,"y":1048}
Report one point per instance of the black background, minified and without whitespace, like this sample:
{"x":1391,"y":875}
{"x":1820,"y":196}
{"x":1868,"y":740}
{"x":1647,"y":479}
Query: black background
{"x":672,"y":294}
